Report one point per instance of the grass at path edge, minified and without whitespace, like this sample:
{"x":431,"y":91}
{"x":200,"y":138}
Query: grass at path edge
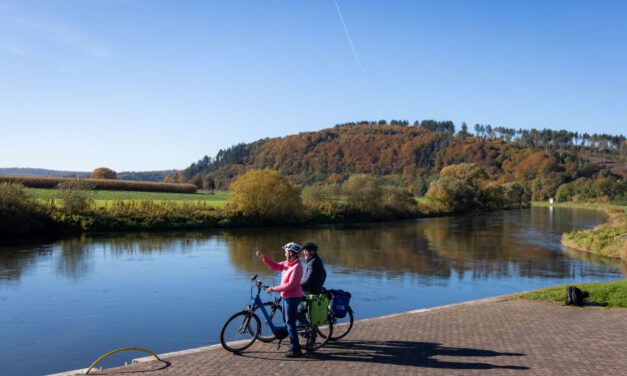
{"x":613,"y":293}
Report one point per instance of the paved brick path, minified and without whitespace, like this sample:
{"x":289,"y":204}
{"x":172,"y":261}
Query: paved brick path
{"x":498,"y":337}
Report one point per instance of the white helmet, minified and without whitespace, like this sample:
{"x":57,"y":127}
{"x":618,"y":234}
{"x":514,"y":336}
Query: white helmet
{"x":292,"y":247}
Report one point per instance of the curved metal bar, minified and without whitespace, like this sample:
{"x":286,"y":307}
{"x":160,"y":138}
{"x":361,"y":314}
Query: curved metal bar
{"x":120,"y":350}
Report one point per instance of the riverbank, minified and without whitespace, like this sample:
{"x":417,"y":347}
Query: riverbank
{"x":608,"y":239}
{"x":492,"y":336}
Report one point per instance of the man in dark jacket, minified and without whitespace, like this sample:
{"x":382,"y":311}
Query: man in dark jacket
{"x":315,"y":274}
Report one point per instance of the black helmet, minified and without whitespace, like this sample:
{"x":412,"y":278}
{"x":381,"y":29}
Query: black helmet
{"x":310,"y":246}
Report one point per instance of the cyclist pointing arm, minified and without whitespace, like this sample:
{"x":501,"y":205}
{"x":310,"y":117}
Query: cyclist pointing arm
{"x":291,"y":292}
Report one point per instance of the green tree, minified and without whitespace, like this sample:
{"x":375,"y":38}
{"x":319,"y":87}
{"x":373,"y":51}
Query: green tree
{"x":265,"y":195}
{"x":363,"y":194}
{"x":513,"y":195}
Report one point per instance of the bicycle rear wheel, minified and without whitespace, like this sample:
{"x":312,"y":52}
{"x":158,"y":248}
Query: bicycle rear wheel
{"x":240,"y":331}
{"x":341,"y":326}
{"x":316,"y":336}
{"x":276,"y":316}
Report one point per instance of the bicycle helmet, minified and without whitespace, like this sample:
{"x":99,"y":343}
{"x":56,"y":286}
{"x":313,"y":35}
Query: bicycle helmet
{"x":311,"y":246}
{"x":292,"y":247}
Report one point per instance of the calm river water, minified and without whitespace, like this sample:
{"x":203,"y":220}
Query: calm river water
{"x":65,"y":303}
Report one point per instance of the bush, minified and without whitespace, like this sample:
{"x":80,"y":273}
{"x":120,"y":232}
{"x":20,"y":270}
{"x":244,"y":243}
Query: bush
{"x":398,"y":202}
{"x":325,"y":199}
{"x":363,"y":194}
{"x":19,"y":212}
{"x":76,"y":196}
{"x":104,"y":173}
{"x":265,"y":195}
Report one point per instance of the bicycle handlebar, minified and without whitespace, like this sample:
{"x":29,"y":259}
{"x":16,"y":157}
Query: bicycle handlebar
{"x":259,"y":283}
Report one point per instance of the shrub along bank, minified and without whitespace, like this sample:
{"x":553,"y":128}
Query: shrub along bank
{"x":608,"y":239}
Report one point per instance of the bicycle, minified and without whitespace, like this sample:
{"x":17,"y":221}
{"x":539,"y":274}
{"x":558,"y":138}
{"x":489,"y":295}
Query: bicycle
{"x":341,"y":325}
{"x":243,"y":328}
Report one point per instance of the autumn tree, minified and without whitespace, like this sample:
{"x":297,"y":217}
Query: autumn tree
{"x":104,"y":173}
{"x":458,"y":188}
{"x":265,"y":195}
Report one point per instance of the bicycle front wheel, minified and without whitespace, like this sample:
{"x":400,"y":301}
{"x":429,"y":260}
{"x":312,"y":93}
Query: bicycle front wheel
{"x":342,"y":326}
{"x":276,"y":316}
{"x":240,"y":331}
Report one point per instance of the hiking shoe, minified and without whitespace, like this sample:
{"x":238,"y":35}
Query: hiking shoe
{"x":293,"y":354}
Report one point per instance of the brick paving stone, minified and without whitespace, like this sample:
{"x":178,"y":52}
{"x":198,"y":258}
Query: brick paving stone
{"x":497,"y":337}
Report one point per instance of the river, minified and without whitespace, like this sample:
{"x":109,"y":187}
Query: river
{"x":64,"y":303}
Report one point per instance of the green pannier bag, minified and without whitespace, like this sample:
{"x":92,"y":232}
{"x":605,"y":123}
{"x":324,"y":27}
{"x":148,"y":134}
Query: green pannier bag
{"x":318,"y":308}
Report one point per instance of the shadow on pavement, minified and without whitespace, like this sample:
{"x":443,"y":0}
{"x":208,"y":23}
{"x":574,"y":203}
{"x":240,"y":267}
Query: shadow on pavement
{"x":406,"y":353}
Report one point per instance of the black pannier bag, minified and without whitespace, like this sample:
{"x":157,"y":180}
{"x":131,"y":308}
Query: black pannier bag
{"x":574,"y":296}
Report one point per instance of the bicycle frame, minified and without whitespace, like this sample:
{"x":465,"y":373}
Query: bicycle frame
{"x":257,"y":303}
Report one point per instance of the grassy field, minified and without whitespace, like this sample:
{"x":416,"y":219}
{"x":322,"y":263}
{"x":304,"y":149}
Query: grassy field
{"x":612,"y":293}
{"x":104,"y":198}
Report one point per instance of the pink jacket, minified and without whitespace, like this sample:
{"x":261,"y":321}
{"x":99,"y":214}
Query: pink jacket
{"x":291,"y":275}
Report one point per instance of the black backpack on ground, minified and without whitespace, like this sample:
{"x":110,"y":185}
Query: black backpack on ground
{"x":575,"y":296}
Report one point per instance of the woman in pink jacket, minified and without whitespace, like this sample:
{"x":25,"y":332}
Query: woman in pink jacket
{"x":291,"y":292}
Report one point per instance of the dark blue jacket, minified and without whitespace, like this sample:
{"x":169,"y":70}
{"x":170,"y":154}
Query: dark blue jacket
{"x":314,"y":276}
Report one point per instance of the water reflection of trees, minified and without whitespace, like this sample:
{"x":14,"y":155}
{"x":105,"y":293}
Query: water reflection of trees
{"x":15,"y":261}
{"x":504,"y":244}
{"x":480,"y":246}
{"x":74,"y":257}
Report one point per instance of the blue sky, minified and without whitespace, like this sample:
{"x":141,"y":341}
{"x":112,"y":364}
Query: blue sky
{"x":149,"y":84}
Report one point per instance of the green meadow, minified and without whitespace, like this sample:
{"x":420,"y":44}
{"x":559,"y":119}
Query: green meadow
{"x":105,"y":198}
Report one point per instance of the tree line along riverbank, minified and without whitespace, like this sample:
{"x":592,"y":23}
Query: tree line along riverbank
{"x":257,"y":197}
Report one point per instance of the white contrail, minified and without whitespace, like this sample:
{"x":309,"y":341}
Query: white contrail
{"x":363,"y":71}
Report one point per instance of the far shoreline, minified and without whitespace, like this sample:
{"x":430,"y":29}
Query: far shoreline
{"x":245,"y":223}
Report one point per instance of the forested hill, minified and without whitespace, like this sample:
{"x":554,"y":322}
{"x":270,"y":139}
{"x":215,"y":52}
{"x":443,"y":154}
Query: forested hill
{"x":411,"y":155}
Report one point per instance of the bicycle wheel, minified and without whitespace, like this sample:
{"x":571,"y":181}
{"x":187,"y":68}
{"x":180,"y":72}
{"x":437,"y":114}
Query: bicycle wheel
{"x":240,"y":331}
{"x":316,"y":336}
{"x":342,"y":326}
{"x":276,"y":316}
